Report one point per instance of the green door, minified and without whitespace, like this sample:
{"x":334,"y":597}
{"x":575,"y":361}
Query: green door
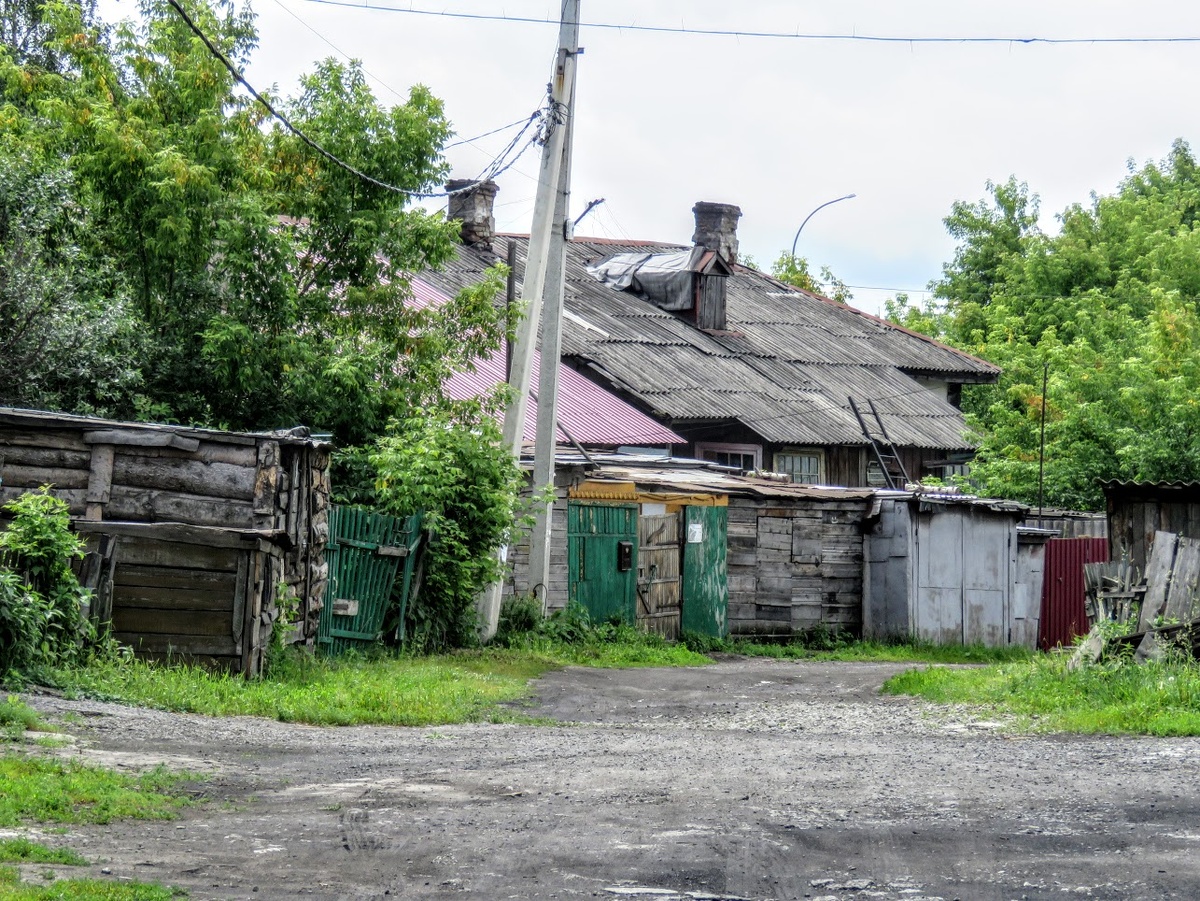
{"x":602,"y":559}
{"x":705,"y":584}
{"x":364,"y":554}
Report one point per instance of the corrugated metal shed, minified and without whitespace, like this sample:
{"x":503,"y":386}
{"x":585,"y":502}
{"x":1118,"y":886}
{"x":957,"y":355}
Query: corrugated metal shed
{"x":784,"y":366}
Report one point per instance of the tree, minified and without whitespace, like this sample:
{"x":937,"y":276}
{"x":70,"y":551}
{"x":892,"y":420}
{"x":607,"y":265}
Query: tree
{"x":1109,"y":304}
{"x":268,"y":282}
{"x":67,"y":334}
{"x":793,"y":270}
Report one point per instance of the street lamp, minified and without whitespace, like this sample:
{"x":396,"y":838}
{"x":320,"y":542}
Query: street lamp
{"x":813,"y":213}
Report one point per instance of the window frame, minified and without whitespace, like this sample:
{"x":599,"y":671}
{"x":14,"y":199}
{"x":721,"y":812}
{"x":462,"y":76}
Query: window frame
{"x":724,"y":447}
{"x":817,"y":452}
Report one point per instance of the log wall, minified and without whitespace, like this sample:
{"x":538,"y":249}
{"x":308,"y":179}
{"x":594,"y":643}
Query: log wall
{"x":203,"y":521}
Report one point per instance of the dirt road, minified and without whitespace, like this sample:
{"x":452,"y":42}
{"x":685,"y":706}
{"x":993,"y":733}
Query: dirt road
{"x":748,"y":779}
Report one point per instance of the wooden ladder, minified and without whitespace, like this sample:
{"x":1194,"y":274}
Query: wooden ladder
{"x":881,"y":445}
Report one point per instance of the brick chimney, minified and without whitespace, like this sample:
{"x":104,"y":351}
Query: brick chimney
{"x":474,"y":208}
{"x":716,"y":228}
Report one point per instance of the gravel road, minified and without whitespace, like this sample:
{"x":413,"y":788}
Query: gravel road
{"x":749,"y":779}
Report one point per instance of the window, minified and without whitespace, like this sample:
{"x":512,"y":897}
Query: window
{"x":740,"y":456}
{"x":805,"y":466}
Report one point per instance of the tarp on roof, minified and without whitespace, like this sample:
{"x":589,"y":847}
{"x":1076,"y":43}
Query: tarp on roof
{"x":664,"y":279}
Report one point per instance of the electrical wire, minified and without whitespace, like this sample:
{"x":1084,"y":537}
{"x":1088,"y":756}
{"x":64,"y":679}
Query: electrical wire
{"x":787,"y":35}
{"x":338,"y":50}
{"x":551,"y":119}
{"x":486,"y":134}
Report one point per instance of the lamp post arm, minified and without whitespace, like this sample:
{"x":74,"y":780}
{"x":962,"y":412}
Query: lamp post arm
{"x":813,"y":213}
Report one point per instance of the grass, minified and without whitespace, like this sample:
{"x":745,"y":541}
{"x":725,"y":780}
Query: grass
{"x":22,"y":850}
{"x":44,"y":790}
{"x":12,"y":889}
{"x":1161,"y":699}
{"x":468,"y":686}
{"x":822,"y":645}
{"x":16,"y":718}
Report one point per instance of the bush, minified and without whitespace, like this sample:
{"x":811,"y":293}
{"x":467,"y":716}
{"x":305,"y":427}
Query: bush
{"x":41,"y":601}
{"x":450,"y":465}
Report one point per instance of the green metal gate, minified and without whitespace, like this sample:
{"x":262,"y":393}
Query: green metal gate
{"x":364,"y":553}
{"x":602,"y":559}
{"x":705,"y":580}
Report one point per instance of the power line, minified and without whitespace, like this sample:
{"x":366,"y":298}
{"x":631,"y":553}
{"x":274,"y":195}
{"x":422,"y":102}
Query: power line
{"x":486,"y":134}
{"x":336,"y":49}
{"x":786,"y":35}
{"x":550,"y":120}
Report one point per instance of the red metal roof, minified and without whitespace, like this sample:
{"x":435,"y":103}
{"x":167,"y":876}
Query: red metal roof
{"x":592,"y":415}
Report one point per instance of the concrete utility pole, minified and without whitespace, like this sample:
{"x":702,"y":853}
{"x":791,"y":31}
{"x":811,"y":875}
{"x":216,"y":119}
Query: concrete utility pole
{"x":545,"y":225}
{"x":546,"y":442}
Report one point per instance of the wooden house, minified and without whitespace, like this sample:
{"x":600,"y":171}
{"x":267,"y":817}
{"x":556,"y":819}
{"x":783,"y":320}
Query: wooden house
{"x":198,"y":537}
{"x":752,"y":373}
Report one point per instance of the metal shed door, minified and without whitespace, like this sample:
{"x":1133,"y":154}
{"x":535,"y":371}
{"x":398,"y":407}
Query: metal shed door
{"x":705,"y":578}
{"x":602,"y":559}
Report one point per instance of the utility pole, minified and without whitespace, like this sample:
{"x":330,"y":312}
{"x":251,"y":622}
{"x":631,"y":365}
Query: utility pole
{"x":545,"y":225}
{"x":546,"y":441}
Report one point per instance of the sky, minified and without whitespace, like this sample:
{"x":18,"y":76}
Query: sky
{"x":779,"y":126}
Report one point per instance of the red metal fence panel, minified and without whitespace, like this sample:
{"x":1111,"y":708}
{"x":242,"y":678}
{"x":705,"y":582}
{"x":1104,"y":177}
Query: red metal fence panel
{"x":1063,"y":615}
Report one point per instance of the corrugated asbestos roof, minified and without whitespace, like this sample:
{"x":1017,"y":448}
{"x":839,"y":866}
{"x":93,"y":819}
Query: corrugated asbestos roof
{"x":784,"y":367}
{"x":591,"y":414}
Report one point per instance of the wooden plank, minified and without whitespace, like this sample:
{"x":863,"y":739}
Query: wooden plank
{"x":1183,"y":597}
{"x":24,"y":435}
{"x":239,"y":597}
{"x":177,"y":645}
{"x":186,"y":475}
{"x":151,"y":621}
{"x":266,"y":478}
{"x":145,"y":552}
{"x":141,"y":438}
{"x":183,"y":533}
{"x":178,"y":599}
{"x":168,"y":577}
{"x":99,"y":486}
{"x":240,"y":455}
{"x":1158,"y":578}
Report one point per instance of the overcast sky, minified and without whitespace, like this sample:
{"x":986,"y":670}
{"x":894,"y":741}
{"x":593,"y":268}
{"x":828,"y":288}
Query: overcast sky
{"x":778,"y":126}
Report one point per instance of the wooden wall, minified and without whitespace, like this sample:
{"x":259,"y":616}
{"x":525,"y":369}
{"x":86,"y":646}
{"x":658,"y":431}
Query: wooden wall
{"x":267,"y":494}
{"x":1136,"y":512}
{"x":795,"y":565}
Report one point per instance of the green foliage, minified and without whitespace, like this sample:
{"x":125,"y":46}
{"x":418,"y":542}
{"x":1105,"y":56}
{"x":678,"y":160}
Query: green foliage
{"x":794,"y":271}
{"x":44,"y":790}
{"x":449,"y":463}
{"x":22,"y":850}
{"x":167,"y":252}
{"x":67,"y":337}
{"x":17,"y":718}
{"x":571,"y":636}
{"x":13,"y":889}
{"x":41,"y":602}
{"x":826,"y":644}
{"x":1150,"y":699}
{"x":1109,"y":304}
{"x":377,"y":689}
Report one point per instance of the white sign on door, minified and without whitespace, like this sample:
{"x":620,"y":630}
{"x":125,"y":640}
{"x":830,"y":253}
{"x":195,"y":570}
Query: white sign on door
{"x":695,"y":533}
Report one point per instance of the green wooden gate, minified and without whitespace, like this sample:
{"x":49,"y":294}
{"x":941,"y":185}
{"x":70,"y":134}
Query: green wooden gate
{"x":705,"y":579}
{"x":364,"y":553}
{"x":602,"y":559}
